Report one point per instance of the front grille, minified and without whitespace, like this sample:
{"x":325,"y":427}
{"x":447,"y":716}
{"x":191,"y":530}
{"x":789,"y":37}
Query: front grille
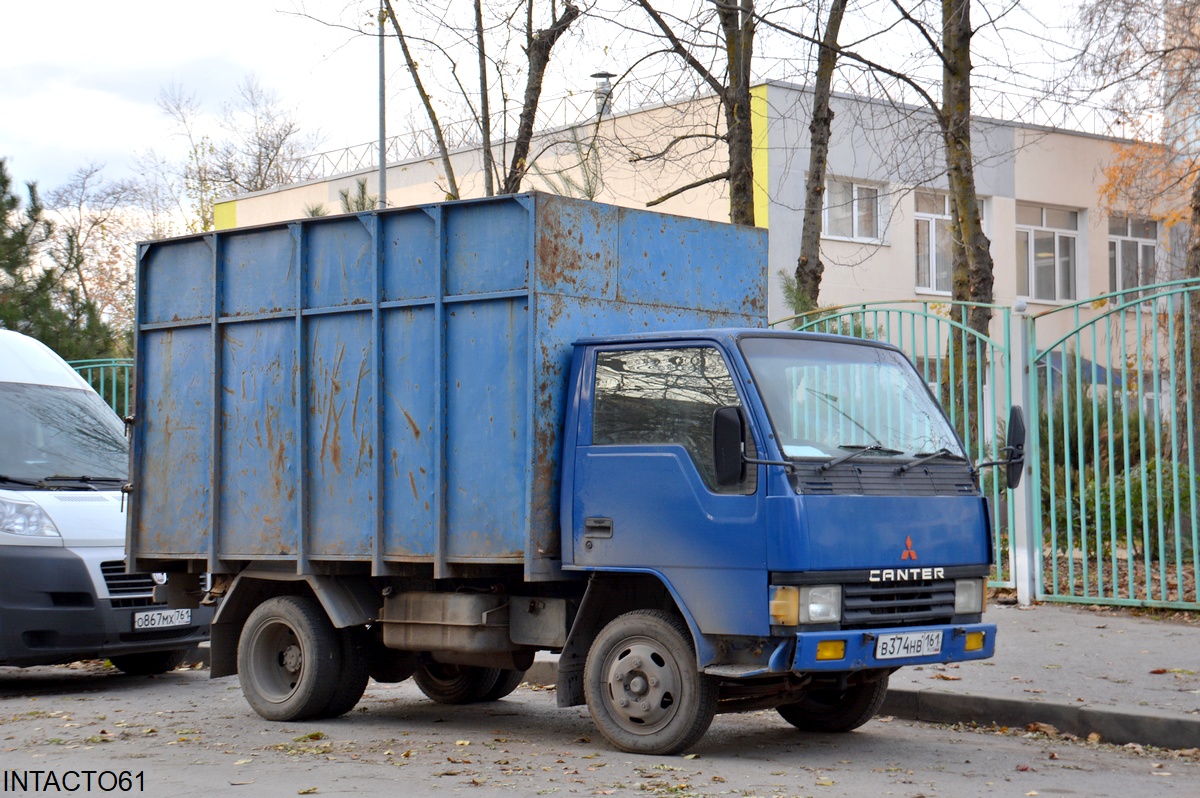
{"x":867,"y":604}
{"x":123,"y":584}
{"x":136,"y":601}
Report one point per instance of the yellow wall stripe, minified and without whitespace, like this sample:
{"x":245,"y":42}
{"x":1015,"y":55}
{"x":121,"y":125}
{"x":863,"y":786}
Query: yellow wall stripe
{"x":758,"y":130}
{"x":225,"y":213}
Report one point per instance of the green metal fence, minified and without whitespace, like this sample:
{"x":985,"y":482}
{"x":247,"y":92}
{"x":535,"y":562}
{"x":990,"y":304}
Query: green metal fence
{"x":1113,"y":447}
{"x":970,"y":373}
{"x":112,"y":378}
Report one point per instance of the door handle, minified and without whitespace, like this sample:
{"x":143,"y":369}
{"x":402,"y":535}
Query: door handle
{"x":597,"y":527}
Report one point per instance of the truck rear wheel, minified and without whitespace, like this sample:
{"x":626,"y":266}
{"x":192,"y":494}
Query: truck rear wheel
{"x":455,"y":684}
{"x":506,"y":682}
{"x":352,"y":681}
{"x":289,"y":659}
{"x":836,"y":710}
{"x":643,"y":689}
{"x":150,"y":663}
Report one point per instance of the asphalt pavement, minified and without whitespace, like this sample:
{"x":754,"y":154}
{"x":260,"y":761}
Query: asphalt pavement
{"x":1084,"y":672}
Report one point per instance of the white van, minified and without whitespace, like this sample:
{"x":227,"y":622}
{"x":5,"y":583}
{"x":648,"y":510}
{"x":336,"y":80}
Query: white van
{"x":64,"y":593}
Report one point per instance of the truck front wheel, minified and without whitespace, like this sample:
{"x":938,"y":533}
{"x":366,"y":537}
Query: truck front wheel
{"x":643,"y":689}
{"x":289,"y":659}
{"x":836,"y":710}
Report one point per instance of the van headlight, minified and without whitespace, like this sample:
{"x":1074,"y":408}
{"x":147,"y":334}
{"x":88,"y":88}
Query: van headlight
{"x":26,"y":519}
{"x":968,"y":596}
{"x":820,"y":604}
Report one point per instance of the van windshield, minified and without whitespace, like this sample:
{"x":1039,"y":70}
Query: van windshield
{"x":49,"y":431}
{"x":827,"y":399}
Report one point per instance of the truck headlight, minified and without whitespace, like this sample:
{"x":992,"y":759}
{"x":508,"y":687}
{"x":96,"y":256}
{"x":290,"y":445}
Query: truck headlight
{"x":27,"y":519}
{"x":820,"y":604}
{"x":968,"y":596}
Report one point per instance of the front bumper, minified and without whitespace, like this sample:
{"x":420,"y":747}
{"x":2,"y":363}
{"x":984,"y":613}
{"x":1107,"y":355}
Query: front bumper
{"x":860,"y":653}
{"x":52,"y":612}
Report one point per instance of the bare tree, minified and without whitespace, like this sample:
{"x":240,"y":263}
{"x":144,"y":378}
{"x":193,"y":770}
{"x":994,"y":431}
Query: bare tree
{"x":809,"y":268}
{"x":1144,"y":58}
{"x":93,"y":242}
{"x":685,"y":37}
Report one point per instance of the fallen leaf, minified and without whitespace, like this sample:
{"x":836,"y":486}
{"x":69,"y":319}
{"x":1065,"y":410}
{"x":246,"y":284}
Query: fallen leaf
{"x":945,"y":677}
{"x":242,"y":762}
{"x":1023,"y":768}
{"x":309,"y":791}
{"x":824,"y":782}
{"x":462,"y":742}
{"x":1094,"y":737}
{"x":691,"y":756}
{"x":1043,"y":728}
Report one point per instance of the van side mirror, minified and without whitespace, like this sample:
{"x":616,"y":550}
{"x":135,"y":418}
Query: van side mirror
{"x":728,"y":425}
{"x":1015,"y":447}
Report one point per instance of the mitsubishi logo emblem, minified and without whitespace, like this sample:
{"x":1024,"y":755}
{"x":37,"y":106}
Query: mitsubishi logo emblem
{"x":909,"y":552}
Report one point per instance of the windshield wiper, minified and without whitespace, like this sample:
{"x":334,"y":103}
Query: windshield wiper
{"x":4,"y":479}
{"x":84,"y":480}
{"x":831,"y":400}
{"x":859,"y":451}
{"x":924,"y":457}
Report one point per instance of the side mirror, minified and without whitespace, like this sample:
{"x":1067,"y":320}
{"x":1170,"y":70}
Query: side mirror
{"x":727,"y":446}
{"x":1015,"y":447}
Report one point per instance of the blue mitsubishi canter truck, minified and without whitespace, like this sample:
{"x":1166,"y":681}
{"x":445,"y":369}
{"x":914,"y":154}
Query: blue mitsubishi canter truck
{"x":429,"y":442}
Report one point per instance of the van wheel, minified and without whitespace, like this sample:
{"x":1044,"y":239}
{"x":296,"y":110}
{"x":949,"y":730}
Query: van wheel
{"x":150,"y":663}
{"x":352,"y":681}
{"x":643,"y":689}
{"x":506,"y":682}
{"x":455,"y":684}
{"x":289,"y":659}
{"x":833,"y":711}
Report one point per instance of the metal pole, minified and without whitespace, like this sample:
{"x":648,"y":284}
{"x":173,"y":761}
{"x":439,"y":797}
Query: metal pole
{"x":1028,"y":550}
{"x":382,"y":113}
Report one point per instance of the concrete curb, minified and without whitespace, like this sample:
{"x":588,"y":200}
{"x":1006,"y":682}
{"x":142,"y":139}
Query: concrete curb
{"x":1114,"y":724}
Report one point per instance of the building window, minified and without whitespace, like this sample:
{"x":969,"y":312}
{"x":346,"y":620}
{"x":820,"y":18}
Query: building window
{"x":1047,"y":252}
{"x":932,"y":235}
{"x":851,"y":210}
{"x":1131,"y":252}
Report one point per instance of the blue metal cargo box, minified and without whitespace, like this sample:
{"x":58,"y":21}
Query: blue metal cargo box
{"x":389,"y":387}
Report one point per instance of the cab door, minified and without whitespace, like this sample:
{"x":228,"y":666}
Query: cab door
{"x":646,"y":496}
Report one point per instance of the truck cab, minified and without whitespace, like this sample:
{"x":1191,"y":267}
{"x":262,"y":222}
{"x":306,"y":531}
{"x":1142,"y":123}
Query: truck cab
{"x":802,"y":499}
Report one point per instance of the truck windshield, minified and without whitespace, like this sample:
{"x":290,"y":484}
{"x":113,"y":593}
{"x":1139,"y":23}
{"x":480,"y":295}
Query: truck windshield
{"x":52,"y":433}
{"x":827,"y":399}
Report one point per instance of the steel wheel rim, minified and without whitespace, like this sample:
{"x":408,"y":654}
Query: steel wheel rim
{"x":641,"y":682}
{"x":277,"y":662}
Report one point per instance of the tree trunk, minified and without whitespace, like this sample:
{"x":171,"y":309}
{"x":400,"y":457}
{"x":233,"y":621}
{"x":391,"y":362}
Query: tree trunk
{"x":809,"y":267}
{"x":1187,"y":340}
{"x":540,"y":45}
{"x":451,"y":183}
{"x":737,"y":22}
{"x":972,"y":269}
{"x":485,"y":121}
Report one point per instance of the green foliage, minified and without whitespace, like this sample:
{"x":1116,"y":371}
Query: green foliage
{"x":35,"y":297}
{"x":1131,"y":502}
{"x":360,"y":201}
{"x":316,"y":209}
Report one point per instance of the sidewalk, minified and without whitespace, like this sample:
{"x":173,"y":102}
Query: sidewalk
{"x":1130,"y":680}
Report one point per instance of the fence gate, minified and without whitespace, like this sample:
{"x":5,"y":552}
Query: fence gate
{"x":977,"y":392}
{"x":112,"y":379}
{"x":1112,"y":450}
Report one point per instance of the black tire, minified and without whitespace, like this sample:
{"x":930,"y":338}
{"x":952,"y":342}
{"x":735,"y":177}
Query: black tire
{"x":506,"y":682}
{"x":643,"y":689}
{"x":150,"y":663}
{"x":455,"y":684}
{"x":835,"y":711}
{"x":352,"y":681}
{"x":289,"y":659}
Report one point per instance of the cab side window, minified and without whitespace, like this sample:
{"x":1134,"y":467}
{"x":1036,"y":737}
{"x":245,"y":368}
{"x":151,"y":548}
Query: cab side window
{"x":664,"y":396}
